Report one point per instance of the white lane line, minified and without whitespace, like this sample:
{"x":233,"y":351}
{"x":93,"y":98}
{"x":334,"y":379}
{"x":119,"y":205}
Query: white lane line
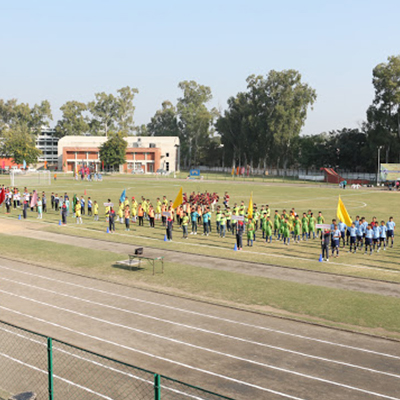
{"x":55,"y":376}
{"x":220,"y":353}
{"x":205,"y":315}
{"x":155,"y":356}
{"x":206,"y":330}
{"x":128,"y":374}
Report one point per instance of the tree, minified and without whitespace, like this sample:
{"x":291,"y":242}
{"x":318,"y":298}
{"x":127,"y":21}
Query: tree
{"x":19,"y":144}
{"x":13,"y":115}
{"x":110,"y":113}
{"x":195,"y":121}
{"x":164,"y":122}
{"x":113,"y":151}
{"x":384,"y":114}
{"x":141,"y":130}
{"x":262,"y":124}
{"x":73,"y":121}
{"x":125,"y":109}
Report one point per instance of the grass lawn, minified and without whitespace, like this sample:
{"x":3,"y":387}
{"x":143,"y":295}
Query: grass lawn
{"x":334,"y":307}
{"x":339,"y":307}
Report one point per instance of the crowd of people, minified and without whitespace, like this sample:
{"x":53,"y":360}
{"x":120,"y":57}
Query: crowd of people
{"x":198,"y":211}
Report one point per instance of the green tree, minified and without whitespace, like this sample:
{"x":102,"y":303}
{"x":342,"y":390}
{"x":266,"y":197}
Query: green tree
{"x":195,"y":121}
{"x":125,"y":109}
{"x":19,"y":144}
{"x":141,"y":130}
{"x":111,"y":113}
{"x":164,"y":122}
{"x":113,"y":151}
{"x":13,"y":115}
{"x":73,"y":121}
{"x":383,"y":115}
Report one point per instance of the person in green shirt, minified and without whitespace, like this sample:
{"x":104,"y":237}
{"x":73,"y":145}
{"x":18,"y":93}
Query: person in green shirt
{"x":304,"y":227}
{"x":281,"y":227}
{"x":296,"y":229}
{"x":222,"y":226}
{"x":242,"y":208}
{"x":228,"y":215}
{"x":277,"y":223}
{"x":268,"y":229}
{"x":263,"y":217}
{"x":320,"y":220}
{"x":185,"y":222}
{"x":267,"y":210}
{"x":250,"y":232}
{"x":233,"y":223}
{"x":218,"y":217}
{"x":311,"y":225}
{"x":286,"y":227}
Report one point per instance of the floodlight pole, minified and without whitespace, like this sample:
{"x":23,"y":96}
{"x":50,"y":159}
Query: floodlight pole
{"x":379,"y":165}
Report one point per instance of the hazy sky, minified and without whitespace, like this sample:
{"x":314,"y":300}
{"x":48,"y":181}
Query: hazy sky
{"x":69,"y":50}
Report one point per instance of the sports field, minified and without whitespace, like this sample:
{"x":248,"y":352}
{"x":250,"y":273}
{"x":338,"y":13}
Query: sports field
{"x":354,"y":292}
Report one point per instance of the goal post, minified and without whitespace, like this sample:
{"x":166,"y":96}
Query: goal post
{"x":30,"y":178}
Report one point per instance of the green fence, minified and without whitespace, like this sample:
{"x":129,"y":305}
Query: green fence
{"x":57,"y":370}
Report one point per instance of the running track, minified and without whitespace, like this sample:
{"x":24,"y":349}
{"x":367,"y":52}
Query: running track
{"x":235,"y":353}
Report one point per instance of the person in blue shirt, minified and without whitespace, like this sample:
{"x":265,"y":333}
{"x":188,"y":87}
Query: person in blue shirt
{"x":369,"y":234}
{"x":360,"y":235}
{"x":382,"y":238}
{"x":335,"y":240}
{"x":194,"y":216}
{"x":353,"y":237}
{"x":357,"y":221}
{"x":377,"y":234}
{"x":391,"y":225}
{"x":206,"y":217}
{"x":342,"y":228}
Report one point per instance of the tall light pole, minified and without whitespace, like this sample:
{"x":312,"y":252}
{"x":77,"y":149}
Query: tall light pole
{"x":178,"y":162}
{"x":379,"y":165}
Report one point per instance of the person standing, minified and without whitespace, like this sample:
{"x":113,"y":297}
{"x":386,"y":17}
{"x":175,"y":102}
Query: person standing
{"x":111,"y":220}
{"x":44,"y":202}
{"x":64,"y":211}
{"x":169,"y":225}
{"x":239,"y":235}
{"x":185,"y":222}
{"x":25,"y":208}
{"x":127,"y":215}
{"x":250,"y":232}
{"x":89,"y":207}
{"x":78,"y":212}
{"x":96,"y":211}
{"x":39,"y":208}
{"x":325,"y":239}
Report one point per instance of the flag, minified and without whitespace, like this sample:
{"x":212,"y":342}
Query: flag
{"x":250,"y":208}
{"x":2,"y":196}
{"x":34,"y":199}
{"x":179,"y":199}
{"x":24,"y":165}
{"x":45,"y":165}
{"x":123,"y":196}
{"x":342,"y":213}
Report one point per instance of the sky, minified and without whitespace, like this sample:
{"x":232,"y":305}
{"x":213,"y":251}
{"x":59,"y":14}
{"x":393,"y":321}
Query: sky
{"x":69,"y":50}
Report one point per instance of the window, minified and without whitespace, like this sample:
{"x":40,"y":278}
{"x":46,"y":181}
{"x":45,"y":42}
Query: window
{"x":167,"y":155}
{"x":167,"y":166}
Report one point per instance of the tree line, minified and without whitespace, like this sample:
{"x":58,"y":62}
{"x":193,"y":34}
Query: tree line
{"x":260,"y":127}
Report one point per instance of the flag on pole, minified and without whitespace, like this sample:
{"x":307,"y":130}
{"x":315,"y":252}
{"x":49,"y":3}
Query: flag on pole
{"x":34,"y":199}
{"x":342,"y":213}
{"x":123,"y":196}
{"x":250,"y":208}
{"x":179,"y":199}
{"x":2,"y":196}
{"x":24,"y":165}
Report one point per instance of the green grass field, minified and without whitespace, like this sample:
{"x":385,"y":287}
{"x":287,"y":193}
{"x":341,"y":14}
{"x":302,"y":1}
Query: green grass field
{"x":298,"y":300}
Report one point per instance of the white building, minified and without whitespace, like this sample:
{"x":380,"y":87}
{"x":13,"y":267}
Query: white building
{"x":148,"y":153}
{"x":47,"y":142}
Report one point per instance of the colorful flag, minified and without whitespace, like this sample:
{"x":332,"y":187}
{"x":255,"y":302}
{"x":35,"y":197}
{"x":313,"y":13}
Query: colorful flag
{"x":34,"y":199}
{"x":342,"y":213}
{"x":2,"y":196}
{"x":123,"y":196}
{"x":250,"y":208}
{"x":179,"y":199}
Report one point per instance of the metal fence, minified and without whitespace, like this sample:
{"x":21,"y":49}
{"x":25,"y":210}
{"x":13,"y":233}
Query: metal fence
{"x":57,"y":370}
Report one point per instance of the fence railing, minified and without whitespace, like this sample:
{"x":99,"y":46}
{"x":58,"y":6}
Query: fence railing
{"x":56,"y":370}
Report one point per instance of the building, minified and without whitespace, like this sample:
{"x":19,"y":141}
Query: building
{"x":47,"y":142}
{"x":145,"y":153}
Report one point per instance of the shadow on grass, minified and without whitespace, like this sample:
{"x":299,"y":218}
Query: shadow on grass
{"x":127,"y":267}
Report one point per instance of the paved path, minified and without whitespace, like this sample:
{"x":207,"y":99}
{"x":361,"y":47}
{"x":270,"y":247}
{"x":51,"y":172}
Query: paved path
{"x":240,"y":354}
